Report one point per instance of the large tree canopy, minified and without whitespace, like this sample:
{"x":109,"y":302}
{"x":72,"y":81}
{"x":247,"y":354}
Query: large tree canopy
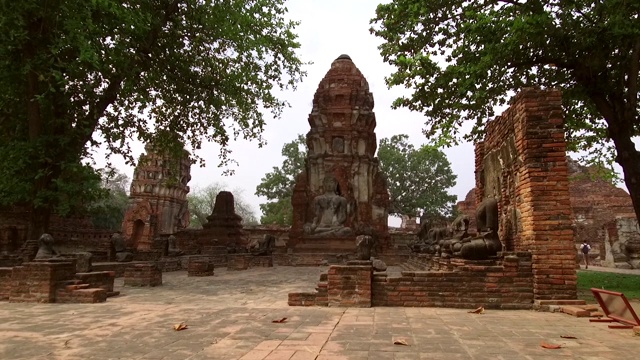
{"x":418,"y":179}
{"x":277,"y":185}
{"x":74,"y":73}
{"x":462,"y":58}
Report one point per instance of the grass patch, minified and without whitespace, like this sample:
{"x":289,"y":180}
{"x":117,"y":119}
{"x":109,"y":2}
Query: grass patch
{"x":629,"y":285}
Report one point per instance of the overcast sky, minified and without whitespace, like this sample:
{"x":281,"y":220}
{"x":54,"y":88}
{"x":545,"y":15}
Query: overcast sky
{"x":328,"y":29}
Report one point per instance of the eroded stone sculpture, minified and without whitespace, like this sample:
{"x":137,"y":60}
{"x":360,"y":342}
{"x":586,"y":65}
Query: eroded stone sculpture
{"x":487,"y":243}
{"x":262,"y":246}
{"x":45,"y":247}
{"x":120,"y":246}
{"x":364,"y":244}
{"x":172,"y":248}
{"x":330,"y":211}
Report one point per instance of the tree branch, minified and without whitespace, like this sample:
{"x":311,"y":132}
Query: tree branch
{"x":632,"y":78}
{"x":110,"y":94}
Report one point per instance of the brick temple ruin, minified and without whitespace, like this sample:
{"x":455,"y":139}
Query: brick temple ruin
{"x":526,"y":259}
{"x":521,"y":168}
{"x":158,"y":198}
{"x":602,"y":214}
{"x":341,"y":192}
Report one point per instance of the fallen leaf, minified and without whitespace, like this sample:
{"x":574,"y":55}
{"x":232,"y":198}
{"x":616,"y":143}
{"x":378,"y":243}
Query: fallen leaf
{"x":400,"y":342}
{"x":549,"y":346}
{"x":568,"y":337}
{"x":479,"y":310}
{"x":66,"y":343}
{"x":279,"y":321}
{"x":178,"y":327}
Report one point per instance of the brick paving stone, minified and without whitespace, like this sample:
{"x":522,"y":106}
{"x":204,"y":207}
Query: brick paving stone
{"x":229,"y":317}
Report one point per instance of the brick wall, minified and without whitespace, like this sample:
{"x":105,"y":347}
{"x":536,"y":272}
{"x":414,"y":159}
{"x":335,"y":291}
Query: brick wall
{"x":496,"y":284}
{"x":38,"y":281}
{"x":350,"y":285}
{"x":142,"y":275}
{"x":522,"y":162}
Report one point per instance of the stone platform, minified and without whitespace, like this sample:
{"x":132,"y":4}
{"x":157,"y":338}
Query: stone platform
{"x":229,"y":317}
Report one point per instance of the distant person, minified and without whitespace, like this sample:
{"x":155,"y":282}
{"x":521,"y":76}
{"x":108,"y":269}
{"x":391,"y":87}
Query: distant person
{"x":585,"y":247}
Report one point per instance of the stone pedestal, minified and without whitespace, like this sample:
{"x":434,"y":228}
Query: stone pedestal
{"x":142,"y":275}
{"x":199,"y":266}
{"x":238,"y":261}
{"x":350,"y":285}
{"x":38,"y":281}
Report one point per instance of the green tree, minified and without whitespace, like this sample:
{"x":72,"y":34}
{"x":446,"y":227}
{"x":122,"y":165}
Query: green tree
{"x":75,"y":73}
{"x":418,"y":179}
{"x":201,"y":203}
{"x":277,"y":186}
{"x":107,"y":212}
{"x":462,"y":58}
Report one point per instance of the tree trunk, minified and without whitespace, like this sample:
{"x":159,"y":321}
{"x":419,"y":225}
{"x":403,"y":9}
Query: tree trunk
{"x":629,"y":159}
{"x":39,"y":221}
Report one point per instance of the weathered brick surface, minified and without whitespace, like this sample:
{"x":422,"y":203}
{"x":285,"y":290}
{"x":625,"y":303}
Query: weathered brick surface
{"x":39,"y":281}
{"x":5,"y":282}
{"x":522,"y":162}
{"x":142,"y":275}
{"x":342,"y":143}
{"x":158,"y":198}
{"x":200,"y":266}
{"x":349,"y":285}
{"x":98,"y":279}
{"x":504,"y":283}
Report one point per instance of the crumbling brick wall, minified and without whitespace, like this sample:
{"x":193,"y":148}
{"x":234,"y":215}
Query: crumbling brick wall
{"x":522,"y":163}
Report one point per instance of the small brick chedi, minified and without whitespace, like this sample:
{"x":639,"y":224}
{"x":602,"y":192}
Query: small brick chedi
{"x":341,"y":192}
{"x":158,"y":198}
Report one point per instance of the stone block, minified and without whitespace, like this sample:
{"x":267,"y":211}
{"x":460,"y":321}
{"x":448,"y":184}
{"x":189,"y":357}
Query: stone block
{"x":143,"y":275}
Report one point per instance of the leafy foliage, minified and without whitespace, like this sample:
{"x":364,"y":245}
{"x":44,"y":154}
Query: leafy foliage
{"x":462,"y":58}
{"x":277,"y":185}
{"x":75,"y":73}
{"x":108,"y":211}
{"x":202,"y":201}
{"x":418,"y":179}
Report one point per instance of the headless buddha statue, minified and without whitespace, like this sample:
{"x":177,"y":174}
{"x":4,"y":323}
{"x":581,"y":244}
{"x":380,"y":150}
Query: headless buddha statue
{"x":330,"y":212}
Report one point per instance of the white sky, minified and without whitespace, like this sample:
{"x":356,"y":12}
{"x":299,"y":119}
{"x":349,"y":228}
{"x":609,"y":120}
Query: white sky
{"x":328,"y":29}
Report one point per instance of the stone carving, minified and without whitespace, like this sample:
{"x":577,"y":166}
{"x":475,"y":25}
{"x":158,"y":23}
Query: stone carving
{"x":330,"y":212}
{"x":431,"y":236}
{"x":172,"y":248}
{"x":119,"y":245}
{"x":262,"y":246}
{"x":378,"y":265}
{"x":364,"y":244}
{"x":45,"y":248}
{"x":487,"y":243}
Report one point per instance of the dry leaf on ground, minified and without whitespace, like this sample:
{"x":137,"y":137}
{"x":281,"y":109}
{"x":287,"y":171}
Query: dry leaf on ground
{"x":568,"y":337}
{"x":549,"y":346}
{"x":178,"y":327}
{"x":479,"y":310}
{"x":279,"y":321}
{"x":400,"y":342}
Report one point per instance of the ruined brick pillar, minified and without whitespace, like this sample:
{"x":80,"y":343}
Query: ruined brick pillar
{"x":158,"y":198}
{"x":522,"y":163}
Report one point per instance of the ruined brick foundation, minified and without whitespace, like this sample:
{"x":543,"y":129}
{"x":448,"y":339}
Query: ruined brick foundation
{"x":494,"y":284}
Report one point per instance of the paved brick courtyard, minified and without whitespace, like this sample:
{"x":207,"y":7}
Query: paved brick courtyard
{"x":229,"y":316}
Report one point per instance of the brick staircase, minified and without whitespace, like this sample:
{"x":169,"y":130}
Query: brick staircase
{"x":87,"y":288}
